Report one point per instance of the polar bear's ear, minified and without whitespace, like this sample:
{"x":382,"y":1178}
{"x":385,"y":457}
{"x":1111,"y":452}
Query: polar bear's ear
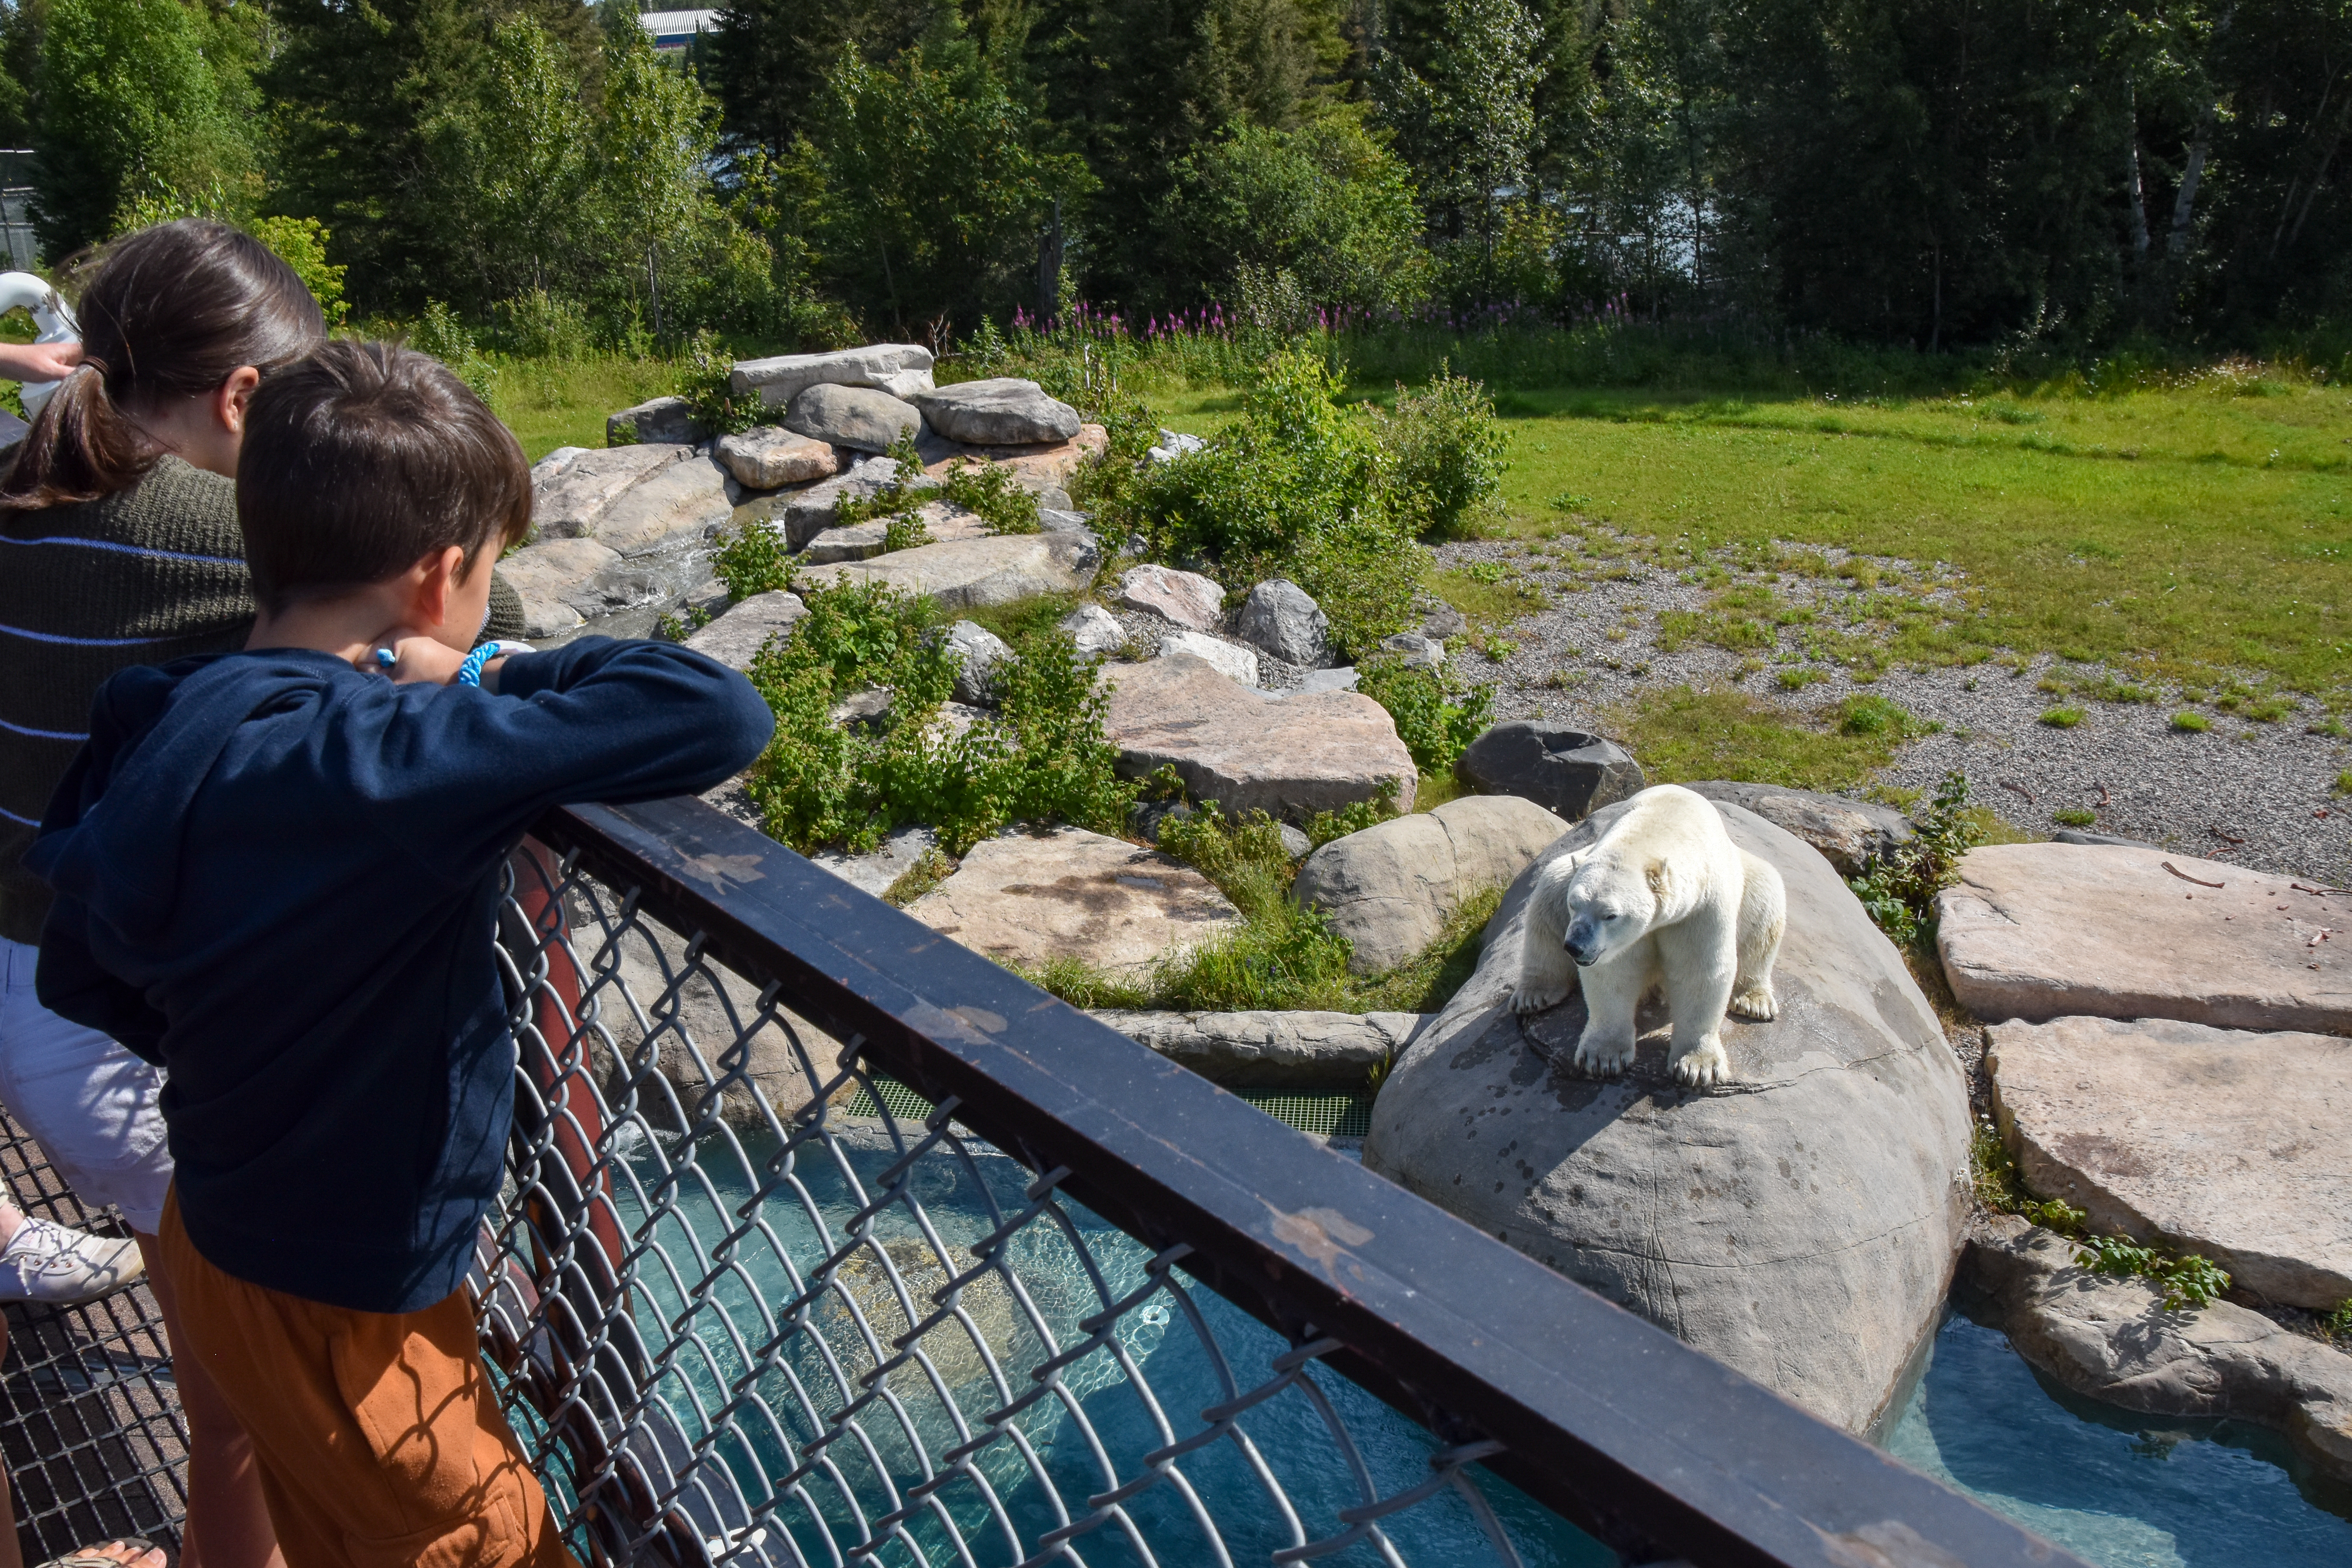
{"x":1661,"y":879}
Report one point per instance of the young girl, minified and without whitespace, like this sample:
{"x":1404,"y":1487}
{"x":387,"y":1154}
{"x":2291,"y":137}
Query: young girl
{"x":119,"y":532}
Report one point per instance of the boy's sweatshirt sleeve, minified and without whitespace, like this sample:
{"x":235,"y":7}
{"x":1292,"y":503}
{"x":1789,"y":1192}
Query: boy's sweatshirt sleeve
{"x":597,"y":719}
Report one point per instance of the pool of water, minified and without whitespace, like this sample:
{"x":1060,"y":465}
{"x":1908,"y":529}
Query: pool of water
{"x":1125,"y":1400}
{"x":2120,"y":1490}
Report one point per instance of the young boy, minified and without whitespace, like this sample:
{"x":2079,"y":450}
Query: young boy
{"x":276,"y":876}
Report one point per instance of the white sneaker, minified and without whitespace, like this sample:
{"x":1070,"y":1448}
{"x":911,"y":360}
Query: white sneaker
{"x":45,"y":1261}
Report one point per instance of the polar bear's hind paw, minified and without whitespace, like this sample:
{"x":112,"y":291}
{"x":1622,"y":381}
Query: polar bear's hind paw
{"x":1757,"y":1003}
{"x":1698,"y":1069}
{"x":1538,"y":998}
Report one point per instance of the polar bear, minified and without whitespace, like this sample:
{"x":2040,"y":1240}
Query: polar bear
{"x":1663,"y":899}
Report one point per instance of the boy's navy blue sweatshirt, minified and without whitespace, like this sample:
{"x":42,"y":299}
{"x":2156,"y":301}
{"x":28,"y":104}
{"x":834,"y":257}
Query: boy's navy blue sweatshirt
{"x":278,"y":877}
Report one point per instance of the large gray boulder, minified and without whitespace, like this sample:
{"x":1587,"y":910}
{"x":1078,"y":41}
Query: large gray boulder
{"x":1565,"y":771}
{"x":1003,"y":411}
{"x":1289,"y":757}
{"x":1095,"y":630}
{"x":1391,"y":889}
{"x":858,"y":417}
{"x":682,"y":504}
{"x":1850,"y":833}
{"x":771,"y":457}
{"x":974,"y":574}
{"x":1799,"y":1222}
{"x":1069,"y":894}
{"x":899,"y":369}
{"x":655,"y":422}
{"x":1305,"y":1053}
{"x":2045,"y":930}
{"x":1281,"y":619}
{"x":740,"y":631}
{"x":2220,"y":1141}
{"x":569,"y":499}
{"x":979,"y":654}
{"x":566,"y":584}
{"x":804,"y":513}
{"x":2115,"y":1341}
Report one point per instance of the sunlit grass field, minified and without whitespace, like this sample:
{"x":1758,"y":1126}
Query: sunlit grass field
{"x":2178,"y":529}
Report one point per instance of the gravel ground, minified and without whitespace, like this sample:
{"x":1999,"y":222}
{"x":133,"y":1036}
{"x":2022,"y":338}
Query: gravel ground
{"x":2251,"y":794}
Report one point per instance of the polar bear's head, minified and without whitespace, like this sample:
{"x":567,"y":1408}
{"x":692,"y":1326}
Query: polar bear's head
{"x":1612,"y":900}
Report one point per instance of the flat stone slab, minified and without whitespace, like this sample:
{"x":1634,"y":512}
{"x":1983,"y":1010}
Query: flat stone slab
{"x":771,"y":457}
{"x":899,"y":369}
{"x":1305,"y":1052}
{"x":862,"y":541}
{"x":1179,"y":598}
{"x":874,"y":871}
{"x":1290,"y":758}
{"x":1850,"y":833}
{"x":804,"y":513}
{"x":1799,"y":1222}
{"x":1231,"y":660}
{"x":743,"y":629}
{"x":571,"y":498}
{"x":683,"y":504}
{"x":1391,"y":889}
{"x":545,"y":577}
{"x":2222,"y":1142}
{"x":1074,"y":894}
{"x":1034,"y":466}
{"x":2047,"y":931}
{"x":972,"y":573}
{"x":1002,"y":411}
{"x":2115,"y":1340}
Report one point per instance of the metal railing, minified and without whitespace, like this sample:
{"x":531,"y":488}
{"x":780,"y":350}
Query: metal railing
{"x":1092,"y":1309}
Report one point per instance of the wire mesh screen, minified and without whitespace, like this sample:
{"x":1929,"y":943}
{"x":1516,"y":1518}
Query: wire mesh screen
{"x":745,"y":1309}
{"x":89,"y":1416}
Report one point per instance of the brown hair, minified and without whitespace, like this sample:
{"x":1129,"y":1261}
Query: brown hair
{"x":363,"y":458}
{"x":171,"y":313}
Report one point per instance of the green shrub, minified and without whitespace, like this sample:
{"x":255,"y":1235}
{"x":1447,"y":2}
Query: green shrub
{"x":1296,"y":487}
{"x":905,"y":531}
{"x":2188,"y":722}
{"x":1435,"y":724}
{"x":2338,"y":1324}
{"x":1866,"y":714}
{"x":1899,"y":890}
{"x":703,"y":380}
{"x":1445,"y":457}
{"x":753,"y":560}
{"x":1353,"y":817}
{"x":988,"y":492}
{"x":2062,"y":717}
{"x":1798,"y":676}
{"x":1041,"y":757}
{"x":2074,"y":816}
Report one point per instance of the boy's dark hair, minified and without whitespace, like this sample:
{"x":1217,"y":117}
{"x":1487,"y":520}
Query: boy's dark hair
{"x":362,"y":460}
{"x":170,"y":312}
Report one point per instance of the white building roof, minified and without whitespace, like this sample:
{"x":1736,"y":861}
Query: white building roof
{"x":672,"y":29}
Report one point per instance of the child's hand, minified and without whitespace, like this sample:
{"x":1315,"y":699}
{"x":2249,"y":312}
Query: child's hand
{"x":415,"y":656}
{"x":39,"y":362}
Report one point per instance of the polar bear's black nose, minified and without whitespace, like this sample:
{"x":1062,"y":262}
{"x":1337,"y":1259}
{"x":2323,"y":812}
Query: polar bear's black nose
{"x":1579,"y":941}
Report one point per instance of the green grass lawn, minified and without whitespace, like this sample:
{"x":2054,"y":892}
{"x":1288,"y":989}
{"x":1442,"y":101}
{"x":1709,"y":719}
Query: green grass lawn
{"x":2177,"y":531}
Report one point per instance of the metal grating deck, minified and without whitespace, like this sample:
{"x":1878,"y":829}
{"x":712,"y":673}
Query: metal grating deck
{"x":89,"y":1418}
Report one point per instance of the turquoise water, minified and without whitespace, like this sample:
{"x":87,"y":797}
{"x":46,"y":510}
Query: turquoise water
{"x":2120,"y":1490}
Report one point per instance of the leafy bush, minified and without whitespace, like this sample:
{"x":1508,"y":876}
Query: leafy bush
{"x":440,"y":333}
{"x":988,"y":492}
{"x":301,"y":244}
{"x":1298,"y":487}
{"x":1353,"y":817}
{"x":1899,"y":890}
{"x":541,"y":325}
{"x":1445,"y":451}
{"x":1041,"y":757}
{"x":2190,"y":722}
{"x":2062,"y":718}
{"x":704,"y":381}
{"x":754,"y":560}
{"x":1435,"y":724}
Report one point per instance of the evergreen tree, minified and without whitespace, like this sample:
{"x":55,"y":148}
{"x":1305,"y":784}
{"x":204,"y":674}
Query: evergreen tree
{"x":1466,"y":122}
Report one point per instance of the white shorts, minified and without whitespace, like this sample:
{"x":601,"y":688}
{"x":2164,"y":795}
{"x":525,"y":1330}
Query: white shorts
{"x":89,"y":1102}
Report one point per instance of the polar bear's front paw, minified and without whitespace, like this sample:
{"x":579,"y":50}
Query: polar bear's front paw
{"x":1538,"y":998}
{"x":1602,"y":1058}
{"x":1702,"y":1064}
{"x":1759,"y":1003}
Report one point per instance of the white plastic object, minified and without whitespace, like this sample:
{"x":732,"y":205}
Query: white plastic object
{"x":51,"y":314}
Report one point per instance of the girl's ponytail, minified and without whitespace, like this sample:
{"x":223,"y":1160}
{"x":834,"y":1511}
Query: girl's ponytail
{"x":172,"y":311}
{"x":80,"y":448}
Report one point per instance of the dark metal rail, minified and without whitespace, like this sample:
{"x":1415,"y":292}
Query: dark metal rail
{"x":700,"y":1395}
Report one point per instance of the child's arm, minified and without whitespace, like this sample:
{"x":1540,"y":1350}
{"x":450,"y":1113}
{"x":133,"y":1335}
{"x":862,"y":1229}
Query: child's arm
{"x":71,"y":984}
{"x":463,"y":770}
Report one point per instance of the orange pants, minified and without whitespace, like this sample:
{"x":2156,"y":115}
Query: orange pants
{"x":379,"y":1443}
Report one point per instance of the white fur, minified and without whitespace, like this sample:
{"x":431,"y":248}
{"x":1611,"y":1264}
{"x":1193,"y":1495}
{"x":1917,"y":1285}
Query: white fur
{"x":1668,"y":900}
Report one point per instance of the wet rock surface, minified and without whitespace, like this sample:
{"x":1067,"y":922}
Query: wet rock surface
{"x":569,"y":498}
{"x":1799,"y":1223}
{"x":2115,"y":1341}
{"x":2225,"y":1142}
{"x":2045,"y":930}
